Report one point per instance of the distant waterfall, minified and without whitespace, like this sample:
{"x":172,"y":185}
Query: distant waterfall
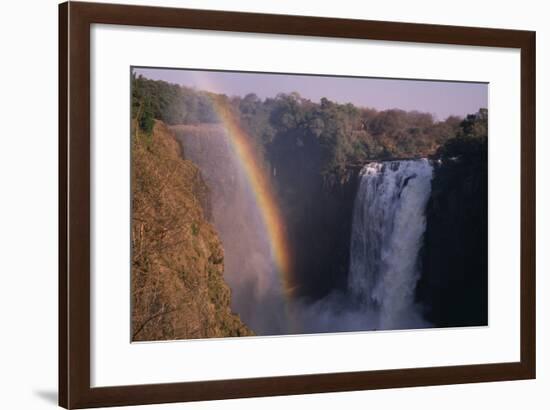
{"x":388,"y":226}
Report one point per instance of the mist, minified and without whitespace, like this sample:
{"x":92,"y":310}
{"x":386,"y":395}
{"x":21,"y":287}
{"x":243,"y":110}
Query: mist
{"x":258,"y":296}
{"x":257,"y":293}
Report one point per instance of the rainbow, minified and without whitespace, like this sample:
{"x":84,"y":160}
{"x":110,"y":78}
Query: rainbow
{"x":262,"y":191}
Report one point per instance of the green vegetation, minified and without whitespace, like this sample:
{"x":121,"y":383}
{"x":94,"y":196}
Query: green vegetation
{"x":470,"y":143}
{"x":337,"y":136}
{"x":169,"y":103}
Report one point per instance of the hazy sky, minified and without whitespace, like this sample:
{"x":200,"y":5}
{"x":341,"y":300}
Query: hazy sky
{"x":440,"y":98}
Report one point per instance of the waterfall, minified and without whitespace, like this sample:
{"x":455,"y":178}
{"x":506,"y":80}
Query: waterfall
{"x":388,"y":226}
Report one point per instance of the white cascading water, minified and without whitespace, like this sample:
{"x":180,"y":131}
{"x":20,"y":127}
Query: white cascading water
{"x":388,"y":226}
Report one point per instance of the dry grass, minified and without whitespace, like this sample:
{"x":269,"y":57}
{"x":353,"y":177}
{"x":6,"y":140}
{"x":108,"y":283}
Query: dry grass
{"x":178,"y":289}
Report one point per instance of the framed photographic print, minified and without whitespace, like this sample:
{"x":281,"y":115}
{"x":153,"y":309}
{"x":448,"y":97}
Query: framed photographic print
{"x":255,"y":205}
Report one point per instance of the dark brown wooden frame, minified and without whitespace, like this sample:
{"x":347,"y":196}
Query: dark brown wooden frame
{"x":75,"y":20}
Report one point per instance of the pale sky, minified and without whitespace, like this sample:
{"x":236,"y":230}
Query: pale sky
{"x":441,"y":98}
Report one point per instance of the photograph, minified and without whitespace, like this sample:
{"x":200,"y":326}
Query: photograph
{"x":268,"y":204}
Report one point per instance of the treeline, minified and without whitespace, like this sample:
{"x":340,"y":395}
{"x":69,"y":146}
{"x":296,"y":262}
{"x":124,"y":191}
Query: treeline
{"x":337,"y":135}
{"x":170,"y":103}
{"x":343,"y":134}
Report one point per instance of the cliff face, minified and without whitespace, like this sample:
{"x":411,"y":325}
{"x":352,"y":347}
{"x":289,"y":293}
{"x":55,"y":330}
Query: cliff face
{"x":453,"y":286}
{"x":178,"y":288}
{"x":319,"y":211}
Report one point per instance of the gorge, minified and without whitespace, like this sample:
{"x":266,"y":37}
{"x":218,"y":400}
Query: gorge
{"x":300,"y":217}
{"x":370,"y":225}
{"x":418,"y":253}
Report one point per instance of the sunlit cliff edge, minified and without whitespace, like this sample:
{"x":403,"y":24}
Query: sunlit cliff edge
{"x":178,"y":287}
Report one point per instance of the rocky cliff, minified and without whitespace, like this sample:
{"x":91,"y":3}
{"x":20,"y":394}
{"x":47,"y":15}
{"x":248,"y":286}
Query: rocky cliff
{"x":178,"y":287}
{"x":319,"y":211}
{"x":454,"y":282}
